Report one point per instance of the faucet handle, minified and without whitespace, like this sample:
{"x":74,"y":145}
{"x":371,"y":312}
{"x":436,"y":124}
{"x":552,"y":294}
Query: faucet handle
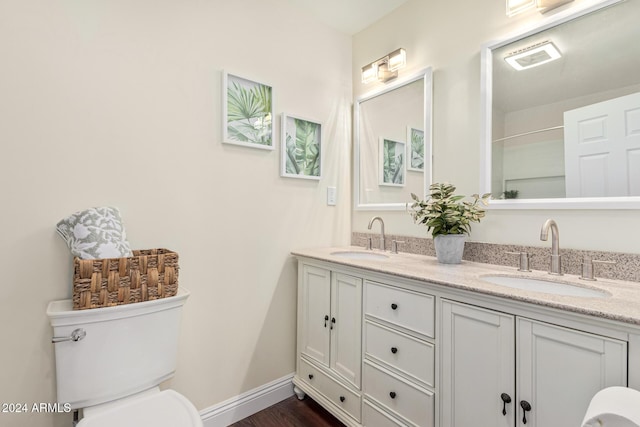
{"x":525,"y":258}
{"x":394,"y":246}
{"x":369,"y":246}
{"x":588,"y":268}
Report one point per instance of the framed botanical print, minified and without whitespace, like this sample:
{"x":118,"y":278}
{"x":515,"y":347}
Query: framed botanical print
{"x":392,"y":162}
{"x":301,"y":148}
{"x":415,"y":149}
{"x":247,"y":109}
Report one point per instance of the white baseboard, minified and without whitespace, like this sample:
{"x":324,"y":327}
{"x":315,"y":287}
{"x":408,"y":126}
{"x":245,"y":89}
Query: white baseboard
{"x":246,"y":404}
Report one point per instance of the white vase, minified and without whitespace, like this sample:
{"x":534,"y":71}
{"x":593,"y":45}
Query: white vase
{"x":449,"y":248}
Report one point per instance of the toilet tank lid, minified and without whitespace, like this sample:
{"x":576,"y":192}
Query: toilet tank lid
{"x":167,"y":408}
{"x":61,"y":312}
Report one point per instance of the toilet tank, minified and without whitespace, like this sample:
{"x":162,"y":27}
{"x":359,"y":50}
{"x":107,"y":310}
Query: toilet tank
{"x":126,"y":349}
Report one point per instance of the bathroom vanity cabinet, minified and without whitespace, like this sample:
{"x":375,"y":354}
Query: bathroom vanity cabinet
{"x":409,"y":352}
{"x":495,"y":365}
{"x":329,"y":337}
{"x":399,"y":355}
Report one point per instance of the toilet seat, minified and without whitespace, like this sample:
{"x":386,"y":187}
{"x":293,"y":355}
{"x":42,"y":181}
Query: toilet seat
{"x":156,"y":409}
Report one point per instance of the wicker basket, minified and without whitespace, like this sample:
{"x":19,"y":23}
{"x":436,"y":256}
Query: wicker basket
{"x":147,"y":275}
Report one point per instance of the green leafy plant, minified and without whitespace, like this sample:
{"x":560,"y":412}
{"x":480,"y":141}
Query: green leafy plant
{"x":511,"y":194}
{"x":447,"y":213}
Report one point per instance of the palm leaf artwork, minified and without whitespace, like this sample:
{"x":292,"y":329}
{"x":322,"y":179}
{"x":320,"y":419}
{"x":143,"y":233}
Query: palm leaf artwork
{"x":393,"y":162}
{"x":417,"y":149}
{"x":302,"y":147}
{"x":249,"y":111}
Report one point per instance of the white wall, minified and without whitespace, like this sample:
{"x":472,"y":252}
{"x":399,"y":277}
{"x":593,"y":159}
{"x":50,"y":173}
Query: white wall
{"x":448,"y":38}
{"x":118,"y":103}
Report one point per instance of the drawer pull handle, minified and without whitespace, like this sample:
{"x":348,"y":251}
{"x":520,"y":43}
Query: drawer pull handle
{"x":392,"y":395}
{"x":342,"y":398}
{"x":505,"y":399}
{"x":310,"y":376}
{"x":526,"y":407}
{"x":394,"y":306}
{"x":394,"y":350}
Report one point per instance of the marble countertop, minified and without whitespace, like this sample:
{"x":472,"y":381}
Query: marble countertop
{"x":622,"y":303}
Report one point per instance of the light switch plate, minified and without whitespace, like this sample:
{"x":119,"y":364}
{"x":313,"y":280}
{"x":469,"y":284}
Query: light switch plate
{"x":331,"y":196}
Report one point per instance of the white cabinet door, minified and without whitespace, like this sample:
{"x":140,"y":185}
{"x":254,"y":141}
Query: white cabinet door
{"x":559,"y":370}
{"x":346,"y":320}
{"x":477,"y":367}
{"x":315,"y":313}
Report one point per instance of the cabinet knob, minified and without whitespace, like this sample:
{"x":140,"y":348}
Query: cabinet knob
{"x":394,"y":350}
{"x":310,"y":376}
{"x":394,"y":306}
{"x":392,"y":395}
{"x":342,"y":398}
{"x":333,"y":322}
{"x":505,"y":399}
{"x":526,"y":407}
{"x":326,"y":319}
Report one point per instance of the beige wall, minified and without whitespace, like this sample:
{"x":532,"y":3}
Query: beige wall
{"x":118,"y":103}
{"x":448,"y":38}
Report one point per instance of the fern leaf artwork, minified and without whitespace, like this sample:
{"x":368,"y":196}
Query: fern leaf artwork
{"x":249,"y":114}
{"x":301,"y":148}
{"x":392,"y":162}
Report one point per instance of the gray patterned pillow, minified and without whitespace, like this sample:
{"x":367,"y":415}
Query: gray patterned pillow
{"x":95,"y":233}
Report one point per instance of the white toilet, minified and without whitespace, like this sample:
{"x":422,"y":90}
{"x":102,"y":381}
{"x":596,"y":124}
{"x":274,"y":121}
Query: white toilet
{"x":110,"y":361}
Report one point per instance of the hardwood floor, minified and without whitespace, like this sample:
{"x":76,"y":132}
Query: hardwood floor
{"x":291,"y":412}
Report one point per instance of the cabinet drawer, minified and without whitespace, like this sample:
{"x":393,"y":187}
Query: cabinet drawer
{"x":398,"y":396}
{"x":407,"y":354}
{"x":338,"y":394}
{"x":407,"y":309}
{"x":373,"y":417}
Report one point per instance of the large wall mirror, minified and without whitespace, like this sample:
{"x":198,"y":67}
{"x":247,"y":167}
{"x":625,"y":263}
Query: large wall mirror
{"x":392,"y":143}
{"x":561,"y":112}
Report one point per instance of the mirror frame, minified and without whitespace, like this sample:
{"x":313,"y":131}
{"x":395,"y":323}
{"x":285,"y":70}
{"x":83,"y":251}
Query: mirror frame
{"x":486,"y":96}
{"x":426,"y":75}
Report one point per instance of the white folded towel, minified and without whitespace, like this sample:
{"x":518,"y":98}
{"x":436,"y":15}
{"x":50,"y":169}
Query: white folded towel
{"x":614,"y":407}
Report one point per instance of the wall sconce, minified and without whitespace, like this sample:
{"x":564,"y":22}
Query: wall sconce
{"x":516,"y":6}
{"x":532,"y":56}
{"x":385,"y":68}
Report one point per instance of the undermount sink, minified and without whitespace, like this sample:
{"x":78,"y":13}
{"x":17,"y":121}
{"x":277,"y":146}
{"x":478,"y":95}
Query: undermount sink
{"x":359,"y":255}
{"x":545,"y":286}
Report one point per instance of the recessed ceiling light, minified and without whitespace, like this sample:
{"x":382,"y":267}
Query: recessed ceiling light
{"x":533,"y":56}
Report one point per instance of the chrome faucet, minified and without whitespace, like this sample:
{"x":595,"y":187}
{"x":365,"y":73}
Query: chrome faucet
{"x":381,"y":229}
{"x":555,"y":266}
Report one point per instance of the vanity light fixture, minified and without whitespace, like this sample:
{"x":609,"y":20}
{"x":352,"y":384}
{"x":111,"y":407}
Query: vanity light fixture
{"x":534,"y":55}
{"x":545,"y":6}
{"x":369,"y":73}
{"x":516,"y":6}
{"x":385,"y":68}
{"x":397,"y":59}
